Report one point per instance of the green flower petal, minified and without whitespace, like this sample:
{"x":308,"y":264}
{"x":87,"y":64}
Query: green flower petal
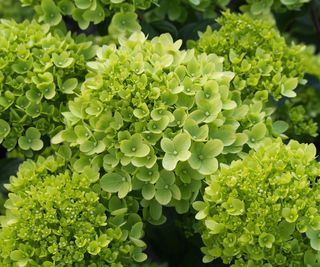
{"x":69,"y":86}
{"x":36,"y":145}
{"x":182,"y":142}
{"x":63,"y":60}
{"x":83,"y":4}
{"x":169,"y":162}
{"x":51,"y":12}
{"x":4,"y":129}
{"x":148,"y":191}
{"x":112,"y":182}
{"x":163,"y":196}
{"x":208,"y":166}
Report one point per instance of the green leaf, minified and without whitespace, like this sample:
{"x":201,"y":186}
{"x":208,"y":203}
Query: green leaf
{"x":288,"y":86}
{"x":69,"y":86}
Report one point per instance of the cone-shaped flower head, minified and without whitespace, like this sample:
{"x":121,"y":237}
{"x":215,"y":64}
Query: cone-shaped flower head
{"x":56,"y":216}
{"x":256,"y":207}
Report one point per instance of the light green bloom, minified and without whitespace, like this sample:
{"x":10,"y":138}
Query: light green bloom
{"x":57,"y":216}
{"x":260,"y":57}
{"x":147,"y":105}
{"x":40,"y":72}
{"x":261,"y":210}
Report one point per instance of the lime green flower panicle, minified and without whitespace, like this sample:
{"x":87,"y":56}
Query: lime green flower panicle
{"x":263,"y":210}
{"x":148,"y":108}
{"x":263,"y":62}
{"x":56,"y":216}
{"x":40,"y":72}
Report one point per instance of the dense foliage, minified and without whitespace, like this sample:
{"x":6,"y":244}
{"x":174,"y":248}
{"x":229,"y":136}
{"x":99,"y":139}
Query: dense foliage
{"x":154,"y":131}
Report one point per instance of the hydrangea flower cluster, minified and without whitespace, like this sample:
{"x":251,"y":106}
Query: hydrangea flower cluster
{"x":264,"y":64}
{"x":40,"y":72}
{"x":258,"y":211}
{"x":56,"y":216}
{"x":83,"y":12}
{"x":158,"y":118}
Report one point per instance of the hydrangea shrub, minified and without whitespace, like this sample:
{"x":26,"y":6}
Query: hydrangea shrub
{"x":263,"y":63}
{"x":56,"y":216}
{"x":264,"y":210}
{"x":40,"y":71}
